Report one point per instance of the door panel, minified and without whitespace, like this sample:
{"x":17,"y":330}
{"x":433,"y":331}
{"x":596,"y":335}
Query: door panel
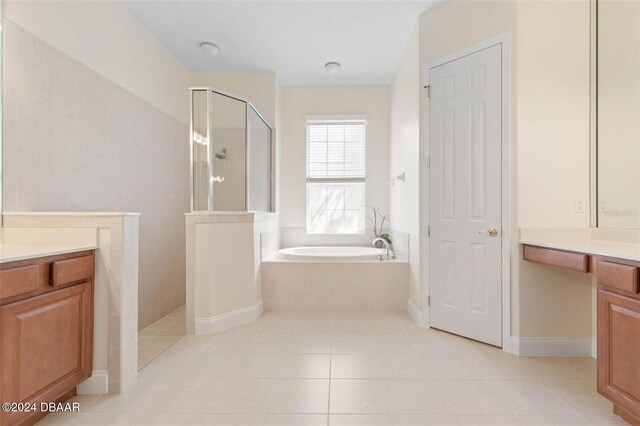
{"x":618,"y":350}
{"x":465,"y":143}
{"x":46,"y":347}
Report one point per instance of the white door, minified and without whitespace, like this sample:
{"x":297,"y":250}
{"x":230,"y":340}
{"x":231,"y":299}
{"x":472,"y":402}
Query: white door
{"x":465,"y":138}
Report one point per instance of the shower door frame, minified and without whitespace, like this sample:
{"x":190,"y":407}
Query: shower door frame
{"x":209,"y":92}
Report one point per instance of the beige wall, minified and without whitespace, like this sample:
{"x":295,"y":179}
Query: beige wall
{"x":549,"y":138}
{"x":106,"y":38}
{"x":75,"y":140}
{"x":225,"y":280}
{"x":224,"y":285}
{"x":259,"y":88}
{"x":618,"y":111}
{"x":552,"y":77}
{"x":300,"y":101}
{"x":405,"y":157}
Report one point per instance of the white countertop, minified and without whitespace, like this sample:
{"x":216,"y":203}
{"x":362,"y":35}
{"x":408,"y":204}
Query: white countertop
{"x":12,"y":253}
{"x":99,"y":214}
{"x":623,"y":244}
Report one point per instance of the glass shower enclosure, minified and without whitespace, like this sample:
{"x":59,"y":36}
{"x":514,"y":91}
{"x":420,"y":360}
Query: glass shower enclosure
{"x":231,"y":154}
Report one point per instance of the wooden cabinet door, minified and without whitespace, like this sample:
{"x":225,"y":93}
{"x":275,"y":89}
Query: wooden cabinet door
{"x":46,"y":347}
{"x":619,"y":350}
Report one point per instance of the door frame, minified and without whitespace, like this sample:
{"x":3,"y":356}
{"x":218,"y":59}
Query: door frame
{"x":504,"y":40}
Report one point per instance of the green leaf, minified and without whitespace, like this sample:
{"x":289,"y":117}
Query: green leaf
{"x":386,"y":238}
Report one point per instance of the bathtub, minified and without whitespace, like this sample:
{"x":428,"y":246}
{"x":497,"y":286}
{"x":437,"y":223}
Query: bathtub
{"x":330,"y":254}
{"x":333,"y":278}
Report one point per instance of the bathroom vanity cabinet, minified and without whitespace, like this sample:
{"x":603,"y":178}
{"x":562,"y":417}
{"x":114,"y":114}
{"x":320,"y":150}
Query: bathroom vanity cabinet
{"x":618,"y":317}
{"x":619,"y":336}
{"x":46,"y":331}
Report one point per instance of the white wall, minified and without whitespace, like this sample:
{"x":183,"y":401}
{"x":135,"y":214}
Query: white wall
{"x":405,"y":156}
{"x":108,"y":39}
{"x":297,"y":103}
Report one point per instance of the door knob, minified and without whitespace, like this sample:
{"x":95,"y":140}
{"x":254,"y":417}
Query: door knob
{"x":492,"y":232}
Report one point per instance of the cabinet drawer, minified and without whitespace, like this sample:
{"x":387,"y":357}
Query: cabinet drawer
{"x":71,"y":270}
{"x":619,"y":277}
{"x":578,"y":262}
{"x":21,"y":280}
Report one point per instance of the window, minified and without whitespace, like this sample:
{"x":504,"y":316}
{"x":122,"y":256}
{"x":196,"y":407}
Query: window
{"x":335,"y":176}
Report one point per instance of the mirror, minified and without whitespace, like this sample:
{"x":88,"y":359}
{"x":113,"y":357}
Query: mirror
{"x":618,"y":114}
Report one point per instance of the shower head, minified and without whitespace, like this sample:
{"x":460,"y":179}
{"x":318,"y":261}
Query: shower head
{"x":222,"y":154}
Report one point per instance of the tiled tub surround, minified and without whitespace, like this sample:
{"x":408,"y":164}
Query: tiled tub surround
{"x":75,"y":141}
{"x":341,"y":285}
{"x":115,"y":355}
{"x":297,"y":285}
{"x":348,"y":368}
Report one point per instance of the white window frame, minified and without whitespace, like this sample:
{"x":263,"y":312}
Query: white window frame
{"x":345,"y":119}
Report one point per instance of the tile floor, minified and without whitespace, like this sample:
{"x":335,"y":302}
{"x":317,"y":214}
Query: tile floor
{"x":348,"y":369}
{"x":160,"y":335}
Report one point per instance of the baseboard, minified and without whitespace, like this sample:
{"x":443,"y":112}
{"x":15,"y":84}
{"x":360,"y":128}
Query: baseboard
{"x":97,"y":384}
{"x":511,"y":346}
{"x":416,"y":314}
{"x":594,"y":348}
{"x":527,"y":346}
{"x":228,"y":320}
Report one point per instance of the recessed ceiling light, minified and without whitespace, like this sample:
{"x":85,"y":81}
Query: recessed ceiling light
{"x":209,"y":49}
{"x":332,"y":67}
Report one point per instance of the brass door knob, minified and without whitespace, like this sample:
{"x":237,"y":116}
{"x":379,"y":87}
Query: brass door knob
{"x":492,"y":232}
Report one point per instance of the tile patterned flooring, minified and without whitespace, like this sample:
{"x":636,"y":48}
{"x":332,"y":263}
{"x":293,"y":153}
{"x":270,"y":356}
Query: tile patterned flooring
{"x":160,"y":335}
{"x":347,"y":369}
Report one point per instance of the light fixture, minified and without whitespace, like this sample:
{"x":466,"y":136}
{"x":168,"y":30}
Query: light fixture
{"x":332,"y":67}
{"x":209,"y":49}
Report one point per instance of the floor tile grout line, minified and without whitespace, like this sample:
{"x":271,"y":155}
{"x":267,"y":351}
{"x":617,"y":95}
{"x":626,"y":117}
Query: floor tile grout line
{"x":330,"y":373}
{"x":500,"y":398}
{"x":568,"y":365}
{"x":548,"y":389}
{"x":157,"y":336}
{"x":377,"y":354}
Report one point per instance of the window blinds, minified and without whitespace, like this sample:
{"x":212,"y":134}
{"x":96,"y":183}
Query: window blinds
{"x":336,"y":151}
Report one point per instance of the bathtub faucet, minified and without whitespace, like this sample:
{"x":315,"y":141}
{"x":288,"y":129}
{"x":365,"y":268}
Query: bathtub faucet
{"x":386,"y":246}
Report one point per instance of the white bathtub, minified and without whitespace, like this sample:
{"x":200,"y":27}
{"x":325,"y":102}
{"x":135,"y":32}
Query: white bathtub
{"x":333,"y":278}
{"x":330,"y":254}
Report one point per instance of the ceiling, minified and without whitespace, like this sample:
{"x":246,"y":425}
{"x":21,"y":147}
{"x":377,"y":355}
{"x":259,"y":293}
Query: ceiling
{"x":292,"y":38}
